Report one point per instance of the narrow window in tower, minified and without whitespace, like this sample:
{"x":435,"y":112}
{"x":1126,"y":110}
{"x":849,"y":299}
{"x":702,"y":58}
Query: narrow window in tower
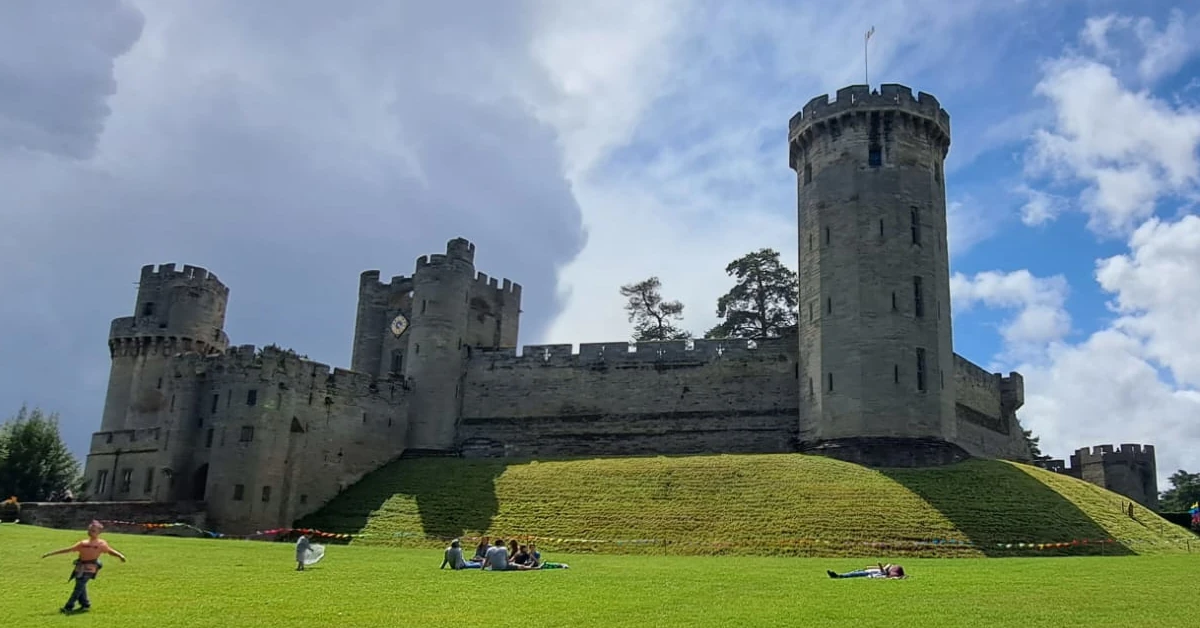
{"x":172,"y":403}
{"x":460,"y":343}
{"x":810,"y":244}
{"x":266,"y":494}
{"x":811,"y":392}
{"x":149,"y":486}
{"x":160,"y":383}
{"x":827,"y":235}
{"x":229,"y":399}
{"x":423,"y":304}
{"x":811,"y":317}
{"x":417,"y":349}
{"x":208,"y":438}
{"x":397,"y":361}
{"x":918,"y":298}
{"x":247,"y":434}
{"x":896,"y":373}
{"x":126,"y":480}
{"x":895,"y":308}
{"x":881,"y":227}
{"x":807,"y":173}
{"x":831,"y":382}
{"x":216,"y":399}
{"x":101,"y":481}
{"x":252,"y":397}
{"x":364,"y":418}
{"x":937,"y":172}
{"x":303,"y":499}
{"x":920,"y":369}
{"x":875,"y":157}
{"x":942,"y":375}
{"x":239,"y":491}
{"x":796,"y":367}
{"x":829,"y":305}
{"x":148,"y":309}
{"x":916,"y":225}
{"x":937,"y":304}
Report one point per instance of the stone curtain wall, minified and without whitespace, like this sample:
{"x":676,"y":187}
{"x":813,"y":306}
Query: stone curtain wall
{"x":622,"y":399}
{"x":983,"y":429}
{"x":77,"y":515}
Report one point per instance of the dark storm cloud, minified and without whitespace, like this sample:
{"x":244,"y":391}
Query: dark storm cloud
{"x":286,"y":150}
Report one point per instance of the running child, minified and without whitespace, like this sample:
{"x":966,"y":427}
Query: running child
{"x":87,"y":566}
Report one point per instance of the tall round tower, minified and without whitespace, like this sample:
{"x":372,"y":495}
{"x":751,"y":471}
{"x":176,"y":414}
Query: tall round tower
{"x":875,"y":337}
{"x":176,"y":311}
{"x":436,"y":351}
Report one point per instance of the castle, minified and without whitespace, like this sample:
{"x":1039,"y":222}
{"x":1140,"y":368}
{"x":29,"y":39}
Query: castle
{"x":264,"y":437}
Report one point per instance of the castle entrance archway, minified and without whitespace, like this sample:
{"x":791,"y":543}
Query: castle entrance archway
{"x":199,"y":483}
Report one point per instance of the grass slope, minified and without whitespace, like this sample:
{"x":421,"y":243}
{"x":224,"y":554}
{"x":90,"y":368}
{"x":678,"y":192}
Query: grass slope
{"x":767,"y":504}
{"x":198,"y":583}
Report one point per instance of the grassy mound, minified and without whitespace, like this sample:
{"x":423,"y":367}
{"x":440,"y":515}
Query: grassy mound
{"x":768,"y":504}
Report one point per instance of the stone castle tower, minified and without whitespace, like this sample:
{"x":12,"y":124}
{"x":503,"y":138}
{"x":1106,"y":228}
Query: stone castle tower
{"x":874,"y":324}
{"x":1129,"y":469}
{"x":421,"y":328}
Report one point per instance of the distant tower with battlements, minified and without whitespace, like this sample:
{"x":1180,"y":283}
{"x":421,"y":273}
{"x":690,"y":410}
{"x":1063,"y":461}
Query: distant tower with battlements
{"x":175,"y":312}
{"x":420,"y":329}
{"x":878,"y":378}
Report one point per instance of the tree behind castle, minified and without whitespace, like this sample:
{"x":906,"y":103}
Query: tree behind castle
{"x":652,"y":317}
{"x":763,"y":302}
{"x":35,"y":464}
{"x":1184,"y":491}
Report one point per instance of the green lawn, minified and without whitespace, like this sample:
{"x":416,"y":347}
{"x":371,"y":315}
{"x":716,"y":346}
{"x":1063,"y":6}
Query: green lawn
{"x":783,"y":505}
{"x":198,"y":582}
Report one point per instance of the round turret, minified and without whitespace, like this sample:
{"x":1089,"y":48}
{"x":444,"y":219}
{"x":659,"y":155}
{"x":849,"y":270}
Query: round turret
{"x":875,"y":334}
{"x":175,"y":312}
{"x":436,"y":348}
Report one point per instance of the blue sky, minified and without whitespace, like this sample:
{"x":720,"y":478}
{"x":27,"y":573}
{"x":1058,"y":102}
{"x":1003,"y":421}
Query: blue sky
{"x":583,"y":145}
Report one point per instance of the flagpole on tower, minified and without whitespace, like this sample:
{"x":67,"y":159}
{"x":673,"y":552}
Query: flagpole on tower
{"x":867,"y":56}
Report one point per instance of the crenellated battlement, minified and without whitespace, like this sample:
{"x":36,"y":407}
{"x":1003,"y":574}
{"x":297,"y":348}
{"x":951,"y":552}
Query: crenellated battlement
{"x":860,"y":98}
{"x":632,"y":353}
{"x":398,"y":284}
{"x":125,"y":343}
{"x":457,"y":250}
{"x":1125,"y":453}
{"x":492,"y":283}
{"x":272,"y":364}
{"x":191,"y":274}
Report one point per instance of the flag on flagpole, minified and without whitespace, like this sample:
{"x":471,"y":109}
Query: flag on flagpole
{"x":869,"y":33}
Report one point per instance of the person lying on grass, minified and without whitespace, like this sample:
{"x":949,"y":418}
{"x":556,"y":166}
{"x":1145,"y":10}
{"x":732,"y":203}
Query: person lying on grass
{"x":87,"y":566}
{"x":454,"y":558}
{"x":890,"y":571}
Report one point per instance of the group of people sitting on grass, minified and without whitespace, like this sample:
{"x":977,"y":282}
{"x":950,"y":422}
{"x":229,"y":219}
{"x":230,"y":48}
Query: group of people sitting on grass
{"x":497,"y":557}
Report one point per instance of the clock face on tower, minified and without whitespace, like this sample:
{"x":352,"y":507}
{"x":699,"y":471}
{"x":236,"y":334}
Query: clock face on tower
{"x":399,"y":325}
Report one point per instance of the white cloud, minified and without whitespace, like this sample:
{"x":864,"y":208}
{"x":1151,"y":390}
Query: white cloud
{"x":1136,"y":378}
{"x":967,"y":224}
{"x":1130,"y":149}
{"x":1040,"y":207}
{"x":1040,"y":305}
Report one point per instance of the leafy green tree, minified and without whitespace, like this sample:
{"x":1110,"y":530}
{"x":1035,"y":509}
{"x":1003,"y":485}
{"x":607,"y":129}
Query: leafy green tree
{"x":762,"y":303}
{"x":1035,"y":449}
{"x":35,"y":464}
{"x":652,"y":317}
{"x":1184,"y":491}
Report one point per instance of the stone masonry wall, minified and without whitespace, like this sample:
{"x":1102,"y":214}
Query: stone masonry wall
{"x":984,"y":428}
{"x":622,"y":399}
{"x":309,"y":433}
{"x":77,"y":515}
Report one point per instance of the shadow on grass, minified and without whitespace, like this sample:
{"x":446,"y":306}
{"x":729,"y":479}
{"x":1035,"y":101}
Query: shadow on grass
{"x":453,"y":497}
{"x":993,"y":503}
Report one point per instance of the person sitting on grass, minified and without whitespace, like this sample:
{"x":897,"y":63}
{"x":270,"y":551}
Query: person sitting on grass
{"x":87,"y":566}
{"x":497,"y":557}
{"x":513,"y":550}
{"x":454,"y":558}
{"x":537,"y":560}
{"x":481,"y":549}
{"x":889,"y":571}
